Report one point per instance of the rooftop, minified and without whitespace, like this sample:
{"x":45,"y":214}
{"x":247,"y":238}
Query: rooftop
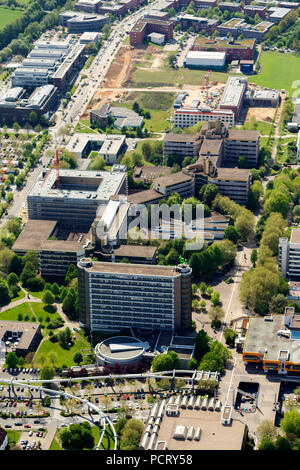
{"x":34,"y":233}
{"x":95,"y":185}
{"x":263,"y":336}
{"x":130,"y":269}
{"x":28,"y":330}
{"x":237,"y":134}
{"x":233,"y":92}
{"x":169,"y":137}
{"x":174,"y":178}
{"x":295,"y":235}
{"x":227,"y":43}
{"x":212,"y":146}
{"x":142,"y":197}
{"x":138,"y":251}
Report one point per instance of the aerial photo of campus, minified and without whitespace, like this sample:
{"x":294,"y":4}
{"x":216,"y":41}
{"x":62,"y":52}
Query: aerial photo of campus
{"x":149,"y":227}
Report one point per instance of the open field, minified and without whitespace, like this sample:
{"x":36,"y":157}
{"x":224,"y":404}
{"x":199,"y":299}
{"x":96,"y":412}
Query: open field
{"x":8,"y":16}
{"x":64,"y":357}
{"x":159,"y":105}
{"x":33,"y":310}
{"x":278,"y":71}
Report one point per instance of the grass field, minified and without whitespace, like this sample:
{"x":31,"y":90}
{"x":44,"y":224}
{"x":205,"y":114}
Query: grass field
{"x":107,"y":441}
{"x":171,"y":77}
{"x":159,"y":105}
{"x":32,"y":310}
{"x":64,"y":356}
{"x":261,"y":126}
{"x":278,"y":71}
{"x":13,"y":437}
{"x":8,"y":16}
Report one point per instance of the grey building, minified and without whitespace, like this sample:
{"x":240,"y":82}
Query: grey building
{"x":114,"y":296}
{"x":242,"y":143}
{"x":289,"y":255}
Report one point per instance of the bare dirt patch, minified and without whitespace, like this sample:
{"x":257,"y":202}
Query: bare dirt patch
{"x":261,"y":114}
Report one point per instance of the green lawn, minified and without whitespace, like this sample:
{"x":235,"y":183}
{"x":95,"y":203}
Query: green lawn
{"x":158,"y":104}
{"x":278,"y":71}
{"x":107,"y":441}
{"x":19,"y":296}
{"x":64,"y":356}
{"x":31,"y":309}
{"x":13,"y":437}
{"x":8,"y":15}
{"x":171,"y":77}
{"x":261,"y":126}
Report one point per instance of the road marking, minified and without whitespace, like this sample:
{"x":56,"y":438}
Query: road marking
{"x":229,"y":387}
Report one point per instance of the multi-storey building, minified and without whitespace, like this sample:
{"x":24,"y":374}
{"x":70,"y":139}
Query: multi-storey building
{"x":243,"y":49}
{"x":207,"y":25}
{"x":187,"y":145}
{"x":115,"y":296}
{"x":186,"y":117}
{"x":78,"y":22}
{"x":76,"y":201}
{"x":242,"y":143}
{"x":289,"y":255}
{"x":180,"y":183}
{"x":144,"y":27}
{"x":233,"y":95}
{"x":253,"y":10}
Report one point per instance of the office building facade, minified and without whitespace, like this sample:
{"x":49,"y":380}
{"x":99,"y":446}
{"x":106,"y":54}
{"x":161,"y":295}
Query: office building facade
{"x":115,"y":296}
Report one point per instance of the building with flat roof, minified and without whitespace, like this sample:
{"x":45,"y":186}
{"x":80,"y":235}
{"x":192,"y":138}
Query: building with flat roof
{"x":30,"y":77}
{"x":234,"y":50}
{"x":113,"y":296}
{"x":88,"y":37}
{"x":242,"y":143}
{"x":180,"y":183}
{"x":262,"y":98}
{"x":277,"y":14}
{"x":123,"y":117}
{"x":198,"y":23}
{"x":146,"y":26}
{"x":120,"y":350}
{"x":89,"y":6}
{"x":274,"y":342}
{"x":76,"y":201}
{"x":187,"y":145}
{"x":205,"y":59}
{"x":20,"y":337}
{"x":156,"y":38}
{"x":186,"y":117}
{"x":288,"y":255}
{"x":238,"y":26}
{"x":109,"y":146}
{"x":253,"y":10}
{"x":137,"y":254}
{"x":79,"y":22}
{"x":233,"y":94}
{"x":17,"y":104}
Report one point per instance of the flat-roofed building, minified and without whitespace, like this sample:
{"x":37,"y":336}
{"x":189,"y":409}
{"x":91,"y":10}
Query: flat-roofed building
{"x":88,"y":37}
{"x":33,"y":234}
{"x":289,"y":255}
{"x":180,"y":183}
{"x":57,"y":255}
{"x":80,"y":193}
{"x":233,"y":95}
{"x":20,"y":337}
{"x":234,"y":50}
{"x":144,"y":27}
{"x":273,"y":342}
{"x":156,"y":38}
{"x":205,"y":59}
{"x":78,"y":22}
{"x":113,"y":296}
{"x":187,"y":145}
{"x":240,"y":143}
{"x":89,"y":6}
{"x":277,"y":14}
{"x":186,"y":117}
{"x":253,"y":10}
{"x":230,"y":6}
{"x":262,"y":98}
{"x":135,"y":254}
{"x":199,"y":24}
{"x":109,"y":146}
{"x":30,"y":77}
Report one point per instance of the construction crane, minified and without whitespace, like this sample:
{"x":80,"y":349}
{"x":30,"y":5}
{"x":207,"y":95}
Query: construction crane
{"x":56,"y":165}
{"x":206,"y":83}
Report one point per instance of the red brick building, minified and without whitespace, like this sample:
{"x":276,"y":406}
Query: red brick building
{"x":235,"y":50}
{"x":252,"y":10}
{"x":146,"y":26}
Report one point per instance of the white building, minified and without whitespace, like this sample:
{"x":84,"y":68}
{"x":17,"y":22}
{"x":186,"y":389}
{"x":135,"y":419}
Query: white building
{"x":157,"y":38}
{"x":205,"y":59}
{"x":298,"y":148}
{"x":289,"y":255}
{"x":109,"y":146}
{"x":186,"y":117}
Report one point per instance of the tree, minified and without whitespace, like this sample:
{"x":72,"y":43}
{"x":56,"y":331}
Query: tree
{"x":77,"y":437}
{"x":244,"y":225}
{"x":47,"y":373}
{"x":202,"y":305}
{"x":215,"y":298}
{"x":48,"y":297}
{"x":4,"y":293}
{"x":209,"y":290}
{"x":253,"y":257}
{"x":232,"y":234}
{"x":71,"y":273}
{"x":203,"y":288}
{"x":11,"y":360}
{"x":290,"y":424}
{"x":230,"y":336}
{"x":278,"y":303}
{"x":6,"y":256}
{"x":68,"y":306}
{"x":192,"y":364}
{"x":77,"y":358}
{"x":98,"y":163}
{"x":216,"y":314}
{"x":202,"y":341}
{"x":266,"y":429}
{"x":131,"y":434}
{"x":208,"y":193}
{"x":33,"y":118}
{"x":165,"y":361}
{"x":258,"y":286}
